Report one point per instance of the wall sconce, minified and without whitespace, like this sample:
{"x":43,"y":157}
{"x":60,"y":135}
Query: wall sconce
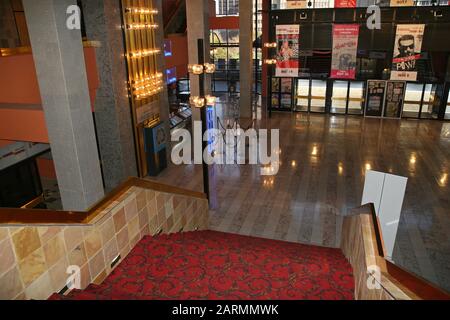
{"x":141,"y":11}
{"x":197,"y":101}
{"x":270,"y":45}
{"x":144,"y":53}
{"x":140,"y":26}
{"x":199,"y":69}
{"x":270,"y":61}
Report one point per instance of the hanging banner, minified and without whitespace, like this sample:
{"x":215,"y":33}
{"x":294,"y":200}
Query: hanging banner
{"x":287,"y":50}
{"x":407,"y":48}
{"x":402,"y":3}
{"x":345,"y":46}
{"x":296,"y":4}
{"x":345,"y":3}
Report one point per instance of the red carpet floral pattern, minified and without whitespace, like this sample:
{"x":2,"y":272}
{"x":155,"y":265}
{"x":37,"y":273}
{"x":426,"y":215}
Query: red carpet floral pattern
{"x":215,"y":265}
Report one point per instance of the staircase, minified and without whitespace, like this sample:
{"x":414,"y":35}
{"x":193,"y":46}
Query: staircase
{"x":204,"y":265}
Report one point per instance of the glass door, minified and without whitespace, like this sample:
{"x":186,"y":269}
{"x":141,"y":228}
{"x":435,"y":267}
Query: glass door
{"x":302,"y":96}
{"x":339,"y":98}
{"x":318,"y":95}
{"x":356,"y":98}
{"x":447,"y":110}
{"x":428,"y":102}
{"x":413,"y":100}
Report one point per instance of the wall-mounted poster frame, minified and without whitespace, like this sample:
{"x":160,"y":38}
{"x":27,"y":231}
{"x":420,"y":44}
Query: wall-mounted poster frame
{"x":375,"y":96}
{"x":394,"y":98}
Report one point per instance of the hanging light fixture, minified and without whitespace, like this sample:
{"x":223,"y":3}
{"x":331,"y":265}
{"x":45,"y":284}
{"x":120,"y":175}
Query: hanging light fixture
{"x":197,"y":102}
{"x":210,"y":67}
{"x":270,"y":45}
{"x":210,"y":100}
{"x":270,"y":61}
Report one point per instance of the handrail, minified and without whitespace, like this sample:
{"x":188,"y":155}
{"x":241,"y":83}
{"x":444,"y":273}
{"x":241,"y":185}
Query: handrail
{"x":6,"y":52}
{"x":14,"y":216}
{"x":419,"y":286}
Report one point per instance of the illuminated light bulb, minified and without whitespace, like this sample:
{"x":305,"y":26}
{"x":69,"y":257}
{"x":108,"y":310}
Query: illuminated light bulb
{"x":210,"y":100}
{"x":195,"y":69}
{"x":443,"y":180}
{"x":144,"y":53}
{"x":270,"y":45}
{"x":210,"y":67}
{"x":140,"y":26}
{"x":270,"y":61}
{"x":197,"y":101}
{"x":340,"y":168}
{"x":368,"y":166}
{"x":141,"y":11}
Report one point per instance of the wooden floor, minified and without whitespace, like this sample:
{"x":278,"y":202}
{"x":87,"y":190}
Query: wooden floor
{"x":323,"y":162}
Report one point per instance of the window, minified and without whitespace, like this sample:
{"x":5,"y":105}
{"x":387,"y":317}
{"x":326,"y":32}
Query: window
{"x":227,"y":7}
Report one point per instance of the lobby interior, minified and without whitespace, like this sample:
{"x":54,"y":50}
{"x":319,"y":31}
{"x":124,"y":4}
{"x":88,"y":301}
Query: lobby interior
{"x":93,"y":91}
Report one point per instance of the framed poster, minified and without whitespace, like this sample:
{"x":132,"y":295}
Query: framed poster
{"x":287,"y":50}
{"x":407,"y":49}
{"x":345,"y":47}
{"x":375,"y":92}
{"x":275,"y":84}
{"x":286,"y":85}
{"x":286,"y":101}
{"x":393,"y":102}
{"x":275,"y":101}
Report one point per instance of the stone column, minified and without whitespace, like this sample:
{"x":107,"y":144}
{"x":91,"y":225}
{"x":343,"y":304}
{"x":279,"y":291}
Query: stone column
{"x":246,"y":57}
{"x":113,"y":120}
{"x":61,"y":72}
{"x":197,"y":14}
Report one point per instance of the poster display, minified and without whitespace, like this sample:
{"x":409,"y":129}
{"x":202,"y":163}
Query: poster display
{"x":296,"y":4}
{"x":345,"y":45}
{"x":407,"y":48}
{"x":344,"y":3}
{"x":393,"y":102}
{"x":402,"y":3}
{"x":287,"y":50}
{"x":286,"y":85}
{"x":375,"y":98}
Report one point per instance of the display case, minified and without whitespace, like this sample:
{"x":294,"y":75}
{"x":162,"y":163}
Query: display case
{"x":281,"y":94}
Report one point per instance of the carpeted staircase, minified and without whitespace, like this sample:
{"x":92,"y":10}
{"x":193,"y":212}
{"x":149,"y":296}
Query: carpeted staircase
{"x":215,"y":265}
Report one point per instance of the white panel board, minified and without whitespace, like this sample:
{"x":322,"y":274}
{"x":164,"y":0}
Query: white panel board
{"x":390,"y":209}
{"x":373,"y":188}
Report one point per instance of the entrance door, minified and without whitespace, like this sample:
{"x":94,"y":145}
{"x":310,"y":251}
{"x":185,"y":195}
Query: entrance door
{"x":318,"y":95}
{"x":447,"y":109}
{"x":339,"y":98}
{"x":413,"y":100}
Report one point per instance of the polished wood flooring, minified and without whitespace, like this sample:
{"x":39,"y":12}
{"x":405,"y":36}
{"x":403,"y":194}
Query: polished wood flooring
{"x":323,"y":162}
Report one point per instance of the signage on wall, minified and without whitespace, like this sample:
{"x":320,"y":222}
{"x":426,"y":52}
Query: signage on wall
{"x":287,"y":50}
{"x":345,"y":45}
{"x":344,"y":3}
{"x":393,"y":102}
{"x":375,"y":98}
{"x":402,"y":3}
{"x":297,"y":4}
{"x":407,"y":48}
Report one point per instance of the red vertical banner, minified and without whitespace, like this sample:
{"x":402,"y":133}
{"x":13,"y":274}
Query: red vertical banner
{"x":345,"y":3}
{"x":345,"y":49}
{"x":287,"y":50}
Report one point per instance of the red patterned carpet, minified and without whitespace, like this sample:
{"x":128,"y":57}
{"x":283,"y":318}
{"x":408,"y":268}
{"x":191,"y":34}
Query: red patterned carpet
{"x":215,"y":265}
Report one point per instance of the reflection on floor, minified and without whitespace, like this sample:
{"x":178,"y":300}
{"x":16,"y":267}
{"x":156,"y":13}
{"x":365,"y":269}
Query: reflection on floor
{"x":323,"y":162}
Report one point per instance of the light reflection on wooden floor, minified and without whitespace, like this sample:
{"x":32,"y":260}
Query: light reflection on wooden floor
{"x":323,"y":161}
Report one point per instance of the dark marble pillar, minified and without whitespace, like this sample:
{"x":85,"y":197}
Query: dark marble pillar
{"x":112,"y":108}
